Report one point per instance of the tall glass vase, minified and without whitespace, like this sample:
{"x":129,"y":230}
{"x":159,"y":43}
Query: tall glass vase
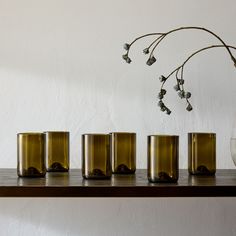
{"x":233,"y":143}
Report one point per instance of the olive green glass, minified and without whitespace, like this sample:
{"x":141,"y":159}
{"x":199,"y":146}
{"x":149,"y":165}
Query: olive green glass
{"x":96,"y":163}
{"x":31,"y":155}
{"x":163,"y":158}
{"x":202,"y":153}
{"x":57,"y":151}
{"x":123,"y":153}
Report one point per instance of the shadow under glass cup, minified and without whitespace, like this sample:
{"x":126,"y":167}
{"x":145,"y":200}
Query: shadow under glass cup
{"x":123,"y":152}
{"x":163,"y":158}
{"x":202,"y":153}
{"x":57,"y":151}
{"x":31,"y":155}
{"x":96,"y":163}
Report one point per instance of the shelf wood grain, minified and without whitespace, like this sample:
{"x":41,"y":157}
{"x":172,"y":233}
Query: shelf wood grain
{"x":72,"y":184}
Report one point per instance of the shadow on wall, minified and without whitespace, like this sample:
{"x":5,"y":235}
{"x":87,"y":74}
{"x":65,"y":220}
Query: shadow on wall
{"x":118,"y":217}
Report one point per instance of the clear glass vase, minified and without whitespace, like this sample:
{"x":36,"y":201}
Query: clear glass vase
{"x":233,"y":144}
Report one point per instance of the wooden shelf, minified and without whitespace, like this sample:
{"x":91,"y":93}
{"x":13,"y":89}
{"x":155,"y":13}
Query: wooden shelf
{"x":73,"y":185}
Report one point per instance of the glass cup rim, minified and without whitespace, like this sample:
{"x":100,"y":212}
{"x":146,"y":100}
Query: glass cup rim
{"x":122,"y":133}
{"x":95,"y":134}
{"x":56,"y":132}
{"x":203,"y":133}
{"x":31,"y":133}
{"x":163,"y":135}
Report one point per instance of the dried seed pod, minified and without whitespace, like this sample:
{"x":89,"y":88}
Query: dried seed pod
{"x":162,"y":78}
{"x":187,"y":95}
{"x":128,"y":60}
{"x":163,"y":91}
{"x":160,"y":96}
{"x":160,"y":103}
{"x":180,"y":81}
{"x":146,"y":50}
{"x":151,"y":60}
{"x":168,"y":111}
{"x":189,"y":107}
{"x":126,"y":46}
{"x":181,"y":94}
{"x":163,"y":108}
{"x":176,"y":87}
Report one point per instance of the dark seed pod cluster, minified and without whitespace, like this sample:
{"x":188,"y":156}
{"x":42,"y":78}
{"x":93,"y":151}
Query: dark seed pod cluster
{"x":161,"y":104}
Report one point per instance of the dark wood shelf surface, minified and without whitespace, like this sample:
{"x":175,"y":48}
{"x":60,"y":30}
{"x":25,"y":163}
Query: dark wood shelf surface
{"x":72,"y":184}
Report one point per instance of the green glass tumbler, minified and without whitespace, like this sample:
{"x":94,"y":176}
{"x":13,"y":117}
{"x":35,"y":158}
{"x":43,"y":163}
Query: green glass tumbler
{"x":163,"y":158}
{"x":202,"y":153}
{"x":57,"y":151}
{"x":123,"y":152}
{"x":31,"y":155}
{"x":96,"y":158}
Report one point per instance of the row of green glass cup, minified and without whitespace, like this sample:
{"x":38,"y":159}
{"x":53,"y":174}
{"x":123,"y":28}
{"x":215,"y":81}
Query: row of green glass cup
{"x":163,"y":156}
{"x":104,"y":154}
{"x":41,"y":152}
{"x":49,"y":151}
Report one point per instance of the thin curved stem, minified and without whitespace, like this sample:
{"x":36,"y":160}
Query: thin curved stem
{"x":198,"y":51}
{"x":176,"y":70}
{"x":161,"y":38}
{"x":182,"y":76}
{"x":209,"y":31}
{"x":193,"y":54}
{"x":181,"y":67}
{"x":155,"y":41}
{"x":177,"y":73}
{"x":163,"y":35}
{"x":206,"y":48}
{"x":143,"y":36}
{"x":181,"y":73}
{"x":173,"y":72}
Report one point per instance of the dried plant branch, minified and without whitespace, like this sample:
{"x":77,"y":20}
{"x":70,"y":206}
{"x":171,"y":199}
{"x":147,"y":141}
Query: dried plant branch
{"x":179,"y":71}
{"x":158,"y":40}
{"x":180,"y":81}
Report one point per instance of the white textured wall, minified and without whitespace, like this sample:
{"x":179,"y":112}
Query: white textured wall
{"x":61,"y":69}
